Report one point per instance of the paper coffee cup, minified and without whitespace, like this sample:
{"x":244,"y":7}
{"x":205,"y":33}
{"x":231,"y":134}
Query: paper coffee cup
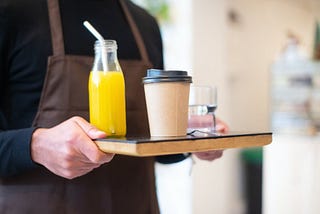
{"x":167,"y":96}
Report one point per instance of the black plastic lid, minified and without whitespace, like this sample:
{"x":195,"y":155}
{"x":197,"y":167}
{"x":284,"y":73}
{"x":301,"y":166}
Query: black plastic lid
{"x":157,"y":75}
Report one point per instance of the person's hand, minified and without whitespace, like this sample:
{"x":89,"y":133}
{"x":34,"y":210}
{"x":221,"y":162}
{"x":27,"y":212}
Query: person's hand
{"x":221,"y":127}
{"x":67,"y":149}
{"x":209,"y":155}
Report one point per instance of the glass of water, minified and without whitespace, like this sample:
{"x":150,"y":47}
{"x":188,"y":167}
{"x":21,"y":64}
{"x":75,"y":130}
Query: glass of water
{"x":202,"y":106}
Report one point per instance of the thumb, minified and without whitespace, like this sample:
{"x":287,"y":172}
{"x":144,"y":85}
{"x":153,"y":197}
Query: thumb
{"x":89,"y":129}
{"x":90,"y":149}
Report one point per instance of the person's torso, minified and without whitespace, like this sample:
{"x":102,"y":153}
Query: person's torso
{"x":126,"y":184}
{"x":29,"y":45}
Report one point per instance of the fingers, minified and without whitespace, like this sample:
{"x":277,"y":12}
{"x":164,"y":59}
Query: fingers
{"x":209,"y":155}
{"x":67,"y":149}
{"x":89,"y":148}
{"x":221,"y":126}
{"x":89,"y":129}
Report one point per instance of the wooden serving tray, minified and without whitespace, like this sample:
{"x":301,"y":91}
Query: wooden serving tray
{"x":154,"y":146}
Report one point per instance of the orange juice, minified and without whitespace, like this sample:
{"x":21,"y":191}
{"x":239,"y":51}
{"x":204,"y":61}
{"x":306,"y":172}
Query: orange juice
{"x":107,"y":102}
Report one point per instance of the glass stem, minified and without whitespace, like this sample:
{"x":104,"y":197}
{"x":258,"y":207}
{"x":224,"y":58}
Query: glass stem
{"x":214,"y":122}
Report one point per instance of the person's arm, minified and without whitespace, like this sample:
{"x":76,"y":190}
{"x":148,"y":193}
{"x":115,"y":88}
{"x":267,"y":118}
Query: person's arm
{"x":67,"y":149}
{"x":15,"y":144}
{"x":15,"y":151}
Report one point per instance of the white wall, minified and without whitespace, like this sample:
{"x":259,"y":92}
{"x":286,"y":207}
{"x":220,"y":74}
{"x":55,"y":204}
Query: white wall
{"x":253,"y":43}
{"x":236,"y":56}
{"x":292,"y":174}
{"x":291,"y":163}
{"x":216,"y":185}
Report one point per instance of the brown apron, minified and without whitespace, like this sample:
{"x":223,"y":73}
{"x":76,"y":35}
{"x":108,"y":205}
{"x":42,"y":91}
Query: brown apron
{"x":127,"y":184}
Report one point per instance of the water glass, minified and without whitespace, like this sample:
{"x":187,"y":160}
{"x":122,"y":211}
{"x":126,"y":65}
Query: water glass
{"x":202,"y":105}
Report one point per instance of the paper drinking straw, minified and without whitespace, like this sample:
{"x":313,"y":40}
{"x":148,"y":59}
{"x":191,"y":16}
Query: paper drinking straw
{"x":93,"y":30}
{"x":101,"y":40}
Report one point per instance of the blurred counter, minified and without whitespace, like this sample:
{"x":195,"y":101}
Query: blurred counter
{"x":291,"y":175}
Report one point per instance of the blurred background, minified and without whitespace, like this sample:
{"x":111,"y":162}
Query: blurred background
{"x":263,"y":55}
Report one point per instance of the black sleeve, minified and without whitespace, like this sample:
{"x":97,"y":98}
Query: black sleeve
{"x":168,"y":159}
{"x":15,"y":154}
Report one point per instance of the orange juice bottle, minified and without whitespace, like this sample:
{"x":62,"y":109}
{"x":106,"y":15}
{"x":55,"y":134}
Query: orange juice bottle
{"x":107,"y":105}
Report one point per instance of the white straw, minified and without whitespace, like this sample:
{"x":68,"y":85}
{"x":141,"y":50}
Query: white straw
{"x":101,"y":39}
{"x":93,"y":31}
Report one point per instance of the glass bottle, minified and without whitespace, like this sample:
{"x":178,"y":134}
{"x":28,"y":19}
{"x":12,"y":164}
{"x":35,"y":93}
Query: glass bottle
{"x":107,"y":90}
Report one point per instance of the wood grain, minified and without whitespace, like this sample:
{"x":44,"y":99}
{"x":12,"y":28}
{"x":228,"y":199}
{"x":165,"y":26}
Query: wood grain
{"x":153,"y":147}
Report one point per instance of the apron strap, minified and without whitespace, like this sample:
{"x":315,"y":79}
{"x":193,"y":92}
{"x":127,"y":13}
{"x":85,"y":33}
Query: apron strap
{"x":135,"y":31}
{"x":57,"y":34}
{"x":55,"y":27}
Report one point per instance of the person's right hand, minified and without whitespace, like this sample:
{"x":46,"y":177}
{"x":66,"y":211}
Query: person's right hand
{"x":67,"y":149}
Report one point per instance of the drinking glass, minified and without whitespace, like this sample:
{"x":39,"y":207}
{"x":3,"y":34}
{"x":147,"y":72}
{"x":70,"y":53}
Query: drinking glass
{"x":202,"y":106}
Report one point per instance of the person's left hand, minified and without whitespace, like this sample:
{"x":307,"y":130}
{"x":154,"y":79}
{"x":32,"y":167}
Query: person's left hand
{"x":221,"y":127}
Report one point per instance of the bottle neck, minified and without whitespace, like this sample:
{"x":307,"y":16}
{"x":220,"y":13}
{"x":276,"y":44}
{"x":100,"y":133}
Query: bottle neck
{"x":106,"y":56}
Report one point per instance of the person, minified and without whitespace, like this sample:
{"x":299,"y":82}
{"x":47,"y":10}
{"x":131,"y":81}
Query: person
{"x":49,"y":162}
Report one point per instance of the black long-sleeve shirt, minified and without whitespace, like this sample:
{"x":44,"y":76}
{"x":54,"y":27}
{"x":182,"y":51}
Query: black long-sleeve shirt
{"x":25,"y":44}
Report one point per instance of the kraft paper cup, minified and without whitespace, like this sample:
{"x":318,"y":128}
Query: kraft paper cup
{"x":167,"y":97}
